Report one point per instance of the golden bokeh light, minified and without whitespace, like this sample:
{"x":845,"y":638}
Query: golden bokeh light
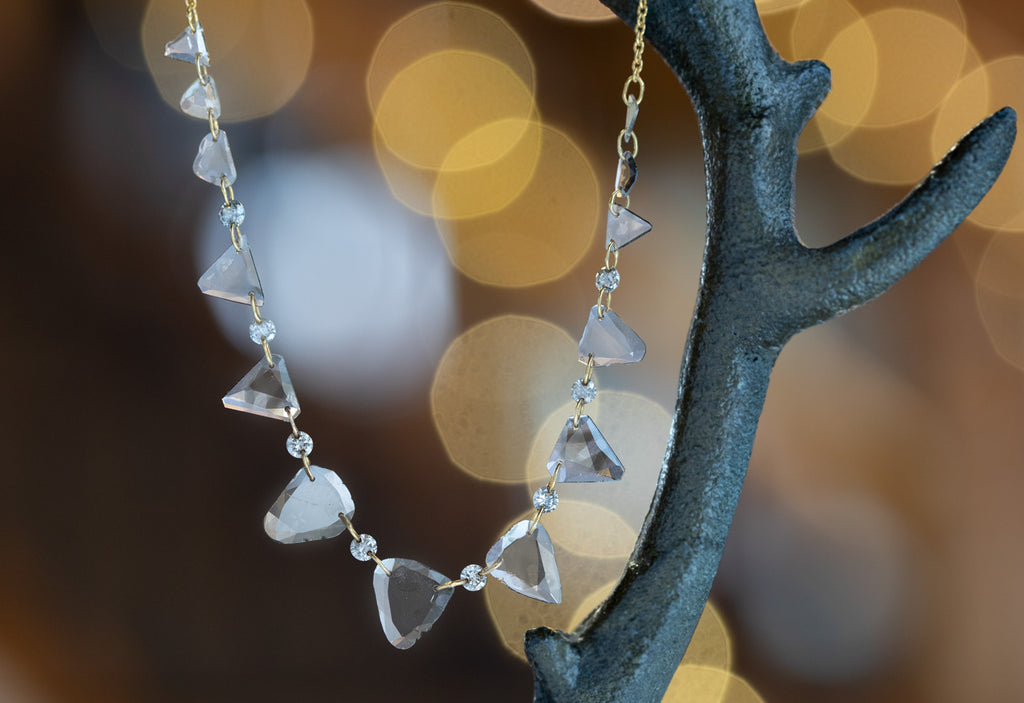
{"x":769,"y":6}
{"x":589,"y":530}
{"x":706,"y":684}
{"x":492,"y":389}
{"x":897,"y":155}
{"x":443,"y":27}
{"x":440,"y":99}
{"x":974,"y":97}
{"x":920,"y":57}
{"x":710,"y":644}
{"x":1002,"y":315}
{"x":590,"y":604}
{"x":411,"y":186}
{"x":252,"y":81}
{"x":542,"y":234}
{"x":1001,"y":265}
{"x":853,"y":58}
{"x":583,"y":10}
{"x":817,"y":24}
{"x":637,"y":430}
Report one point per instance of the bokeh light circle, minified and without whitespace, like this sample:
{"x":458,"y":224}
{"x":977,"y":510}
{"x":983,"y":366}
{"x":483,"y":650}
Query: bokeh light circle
{"x":446,"y":26}
{"x":767,"y":7}
{"x":252,"y":80}
{"x":432,"y":104}
{"x":999,"y":295}
{"x":492,"y":389}
{"x":540,"y":236}
{"x":582,"y":10}
{"x":589,"y":529}
{"x":706,"y":684}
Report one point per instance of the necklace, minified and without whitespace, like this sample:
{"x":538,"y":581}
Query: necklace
{"x":316,"y":504}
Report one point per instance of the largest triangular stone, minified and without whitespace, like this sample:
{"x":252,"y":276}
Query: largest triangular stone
{"x":233,"y":276}
{"x":308,"y":510}
{"x":527,"y":562}
{"x":625,"y":227}
{"x":583,"y":455}
{"x":266,"y":390}
{"x":610,"y":340}
{"x":408,"y":601}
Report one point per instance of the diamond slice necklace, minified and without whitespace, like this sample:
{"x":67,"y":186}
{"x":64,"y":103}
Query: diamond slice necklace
{"x":316,"y":504}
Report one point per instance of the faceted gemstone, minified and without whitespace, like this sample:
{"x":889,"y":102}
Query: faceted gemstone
{"x":407,"y":599}
{"x":527,"y":563}
{"x":610,"y":340}
{"x":582,"y":455}
{"x":625,"y":173}
{"x":632,"y":110}
{"x":264,"y":329}
{"x":544,"y":499}
{"x":213,"y":160}
{"x":266,"y":390}
{"x":299,"y":444}
{"x":308,"y":510}
{"x":199,"y":99}
{"x":232,"y":213}
{"x":233,"y":276}
{"x":583,"y":391}
{"x":363,"y":547}
{"x":607,"y":279}
{"x":625,"y":227}
{"x":187,"y":45}
{"x":475,"y":580}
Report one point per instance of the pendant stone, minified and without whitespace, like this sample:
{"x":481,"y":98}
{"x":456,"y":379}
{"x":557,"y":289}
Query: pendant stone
{"x":527,"y":562}
{"x":199,"y":99}
{"x":213,"y":160}
{"x":407,"y":599}
{"x":233,"y":276}
{"x":582,"y":455}
{"x":625,"y":174}
{"x":625,"y":227}
{"x":187,"y":46}
{"x":266,"y":390}
{"x":308,"y":510}
{"x":610,"y":340}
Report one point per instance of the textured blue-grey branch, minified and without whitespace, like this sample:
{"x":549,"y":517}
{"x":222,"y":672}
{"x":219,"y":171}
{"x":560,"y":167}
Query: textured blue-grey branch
{"x":759,"y":287}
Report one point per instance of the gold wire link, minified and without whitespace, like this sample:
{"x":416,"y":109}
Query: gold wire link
{"x":266,"y":352}
{"x":236,"y":241}
{"x":450,"y":584}
{"x":486,"y":571}
{"x":291,"y":420}
{"x":227,"y":190}
{"x":554,"y":478}
{"x":577,"y":414}
{"x":255,"y":307}
{"x":632,"y":139}
{"x":613,"y":207}
{"x":590,"y":370}
{"x":611,"y":256}
{"x":604,"y":303}
{"x":308,"y":467}
{"x":638,"y":54}
{"x":350,"y":527}
{"x":191,"y":14}
{"x":215,"y":125}
{"x":376,"y":558}
{"x":537,"y":514}
{"x":204,"y":73}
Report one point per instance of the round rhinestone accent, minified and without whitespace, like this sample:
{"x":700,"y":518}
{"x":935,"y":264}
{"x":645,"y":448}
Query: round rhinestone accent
{"x":300,"y":444}
{"x":584,"y":391}
{"x":473,"y":578}
{"x":607,"y":279}
{"x":265,"y":329}
{"x":363,"y":547}
{"x":545,"y":500}
{"x":232,"y":213}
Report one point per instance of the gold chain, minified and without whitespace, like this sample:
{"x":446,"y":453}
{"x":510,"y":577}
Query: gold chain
{"x":638,"y":55}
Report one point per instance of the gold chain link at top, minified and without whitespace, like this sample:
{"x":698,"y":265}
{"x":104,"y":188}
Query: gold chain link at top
{"x":638,"y":55}
{"x":191,"y":14}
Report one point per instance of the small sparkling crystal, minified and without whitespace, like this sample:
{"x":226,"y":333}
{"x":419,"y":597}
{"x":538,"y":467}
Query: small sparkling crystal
{"x":473,"y":578}
{"x":299,"y":444}
{"x":232,"y":213}
{"x":583,"y":391}
{"x":545,"y":500}
{"x":607,"y":279}
{"x":264,"y":329}
{"x":363,"y":547}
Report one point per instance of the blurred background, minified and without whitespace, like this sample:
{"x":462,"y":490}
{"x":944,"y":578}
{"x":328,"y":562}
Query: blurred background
{"x":425,"y":187}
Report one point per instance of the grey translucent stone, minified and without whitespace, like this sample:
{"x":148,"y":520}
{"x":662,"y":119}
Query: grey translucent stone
{"x":607,"y":279}
{"x":407,"y":599}
{"x":187,"y":45}
{"x":586,"y":392}
{"x":474,"y":577}
{"x":233,"y":276}
{"x":213,"y":160}
{"x":632,"y":110}
{"x":199,"y":99}
{"x":610,"y":340}
{"x":625,"y":174}
{"x":299,"y":444}
{"x":266,"y":390}
{"x":363,"y":548}
{"x":527,"y":563}
{"x":264,"y":329}
{"x":544,"y":499}
{"x":582,"y":455}
{"x":625,"y":227}
{"x":308,"y":510}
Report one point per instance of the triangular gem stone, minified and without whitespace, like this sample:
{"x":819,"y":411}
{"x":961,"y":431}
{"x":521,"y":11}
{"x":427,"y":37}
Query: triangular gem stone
{"x":266,"y":390}
{"x":610,"y":340}
{"x":308,"y":510}
{"x":233,"y":276}
{"x":187,"y":45}
{"x":625,"y":227}
{"x":213,"y":160}
{"x":527,"y":563}
{"x":407,"y":599}
{"x":582,"y":455}
{"x":199,"y":99}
